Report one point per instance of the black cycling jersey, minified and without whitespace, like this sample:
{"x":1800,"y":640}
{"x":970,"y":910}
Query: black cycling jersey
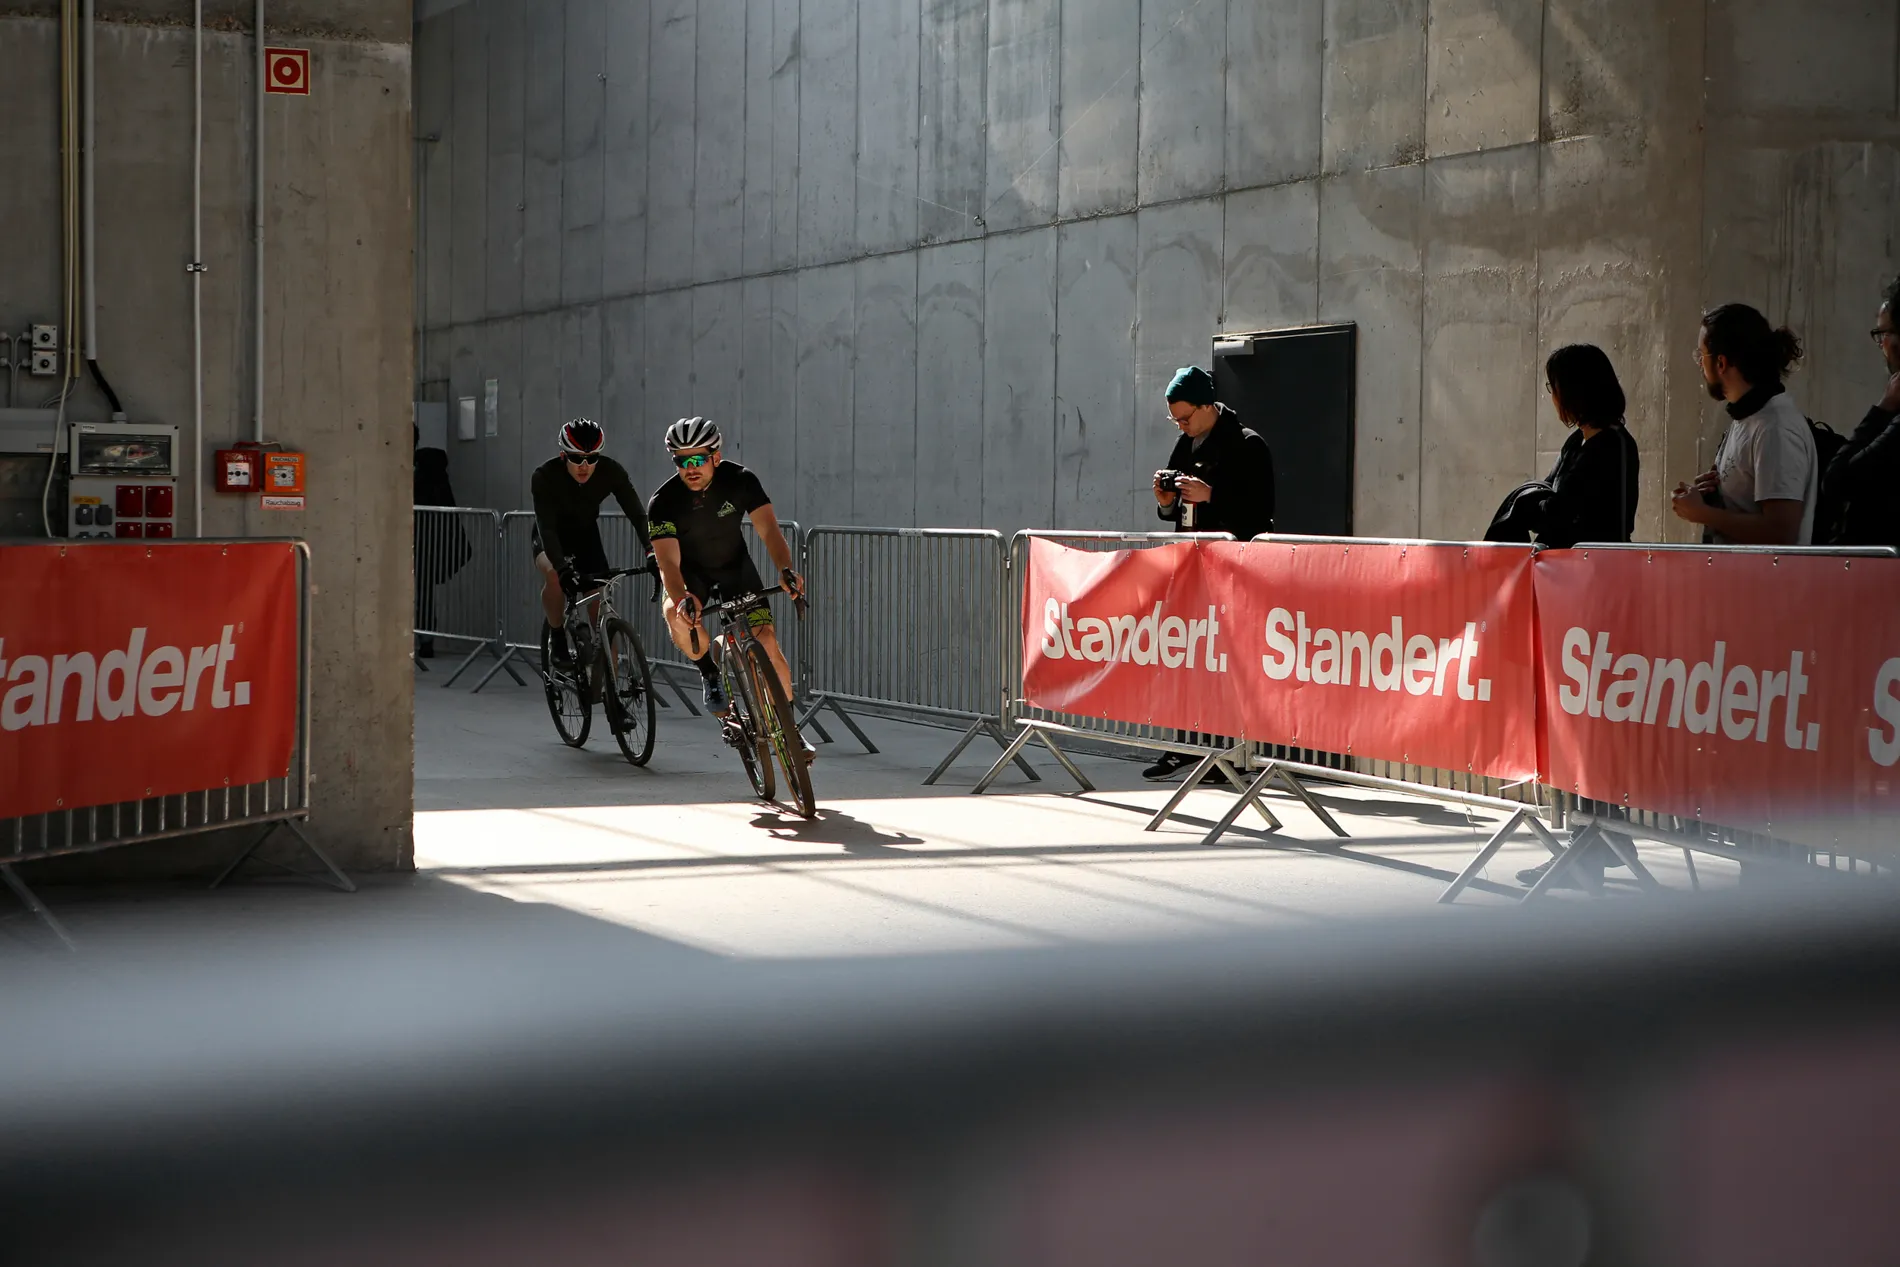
{"x":708,"y":524}
{"x":566,"y":513}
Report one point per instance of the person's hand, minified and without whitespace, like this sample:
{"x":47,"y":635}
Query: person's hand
{"x":1162,"y":496}
{"x":1688,"y":503}
{"x":794,"y":583}
{"x":652,"y":565}
{"x":1891,"y":401}
{"x":1193,"y":490}
{"x":570,"y":580}
{"x":1707,"y":482}
{"x":689,"y":607}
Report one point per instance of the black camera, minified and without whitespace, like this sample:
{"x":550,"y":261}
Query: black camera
{"x":1169,"y":481}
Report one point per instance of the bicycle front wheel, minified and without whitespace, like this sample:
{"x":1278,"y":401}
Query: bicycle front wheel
{"x":780,"y":727}
{"x":573,"y":714}
{"x":746,"y":735}
{"x":632,"y":684}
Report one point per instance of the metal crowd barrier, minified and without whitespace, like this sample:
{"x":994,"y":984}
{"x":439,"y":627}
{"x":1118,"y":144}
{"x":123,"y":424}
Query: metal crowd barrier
{"x":911,"y":622}
{"x":274,"y":804}
{"x":457,"y":564}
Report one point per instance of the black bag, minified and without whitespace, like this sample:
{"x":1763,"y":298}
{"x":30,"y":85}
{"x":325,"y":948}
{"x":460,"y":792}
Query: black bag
{"x":1520,"y":513}
{"x":1828,"y":511}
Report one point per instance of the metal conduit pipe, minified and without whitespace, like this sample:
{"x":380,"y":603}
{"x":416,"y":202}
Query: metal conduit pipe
{"x":89,"y":202}
{"x":257,"y":421}
{"x":197,"y":268}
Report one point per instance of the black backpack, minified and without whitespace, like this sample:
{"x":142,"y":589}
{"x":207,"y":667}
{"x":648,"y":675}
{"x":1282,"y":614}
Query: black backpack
{"x":1827,"y":510}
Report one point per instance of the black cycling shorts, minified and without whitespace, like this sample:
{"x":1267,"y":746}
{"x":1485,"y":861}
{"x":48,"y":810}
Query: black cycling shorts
{"x":730,"y":583}
{"x":588,"y":557}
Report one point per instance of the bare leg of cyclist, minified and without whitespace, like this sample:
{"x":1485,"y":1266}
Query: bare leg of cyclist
{"x":553,"y":602}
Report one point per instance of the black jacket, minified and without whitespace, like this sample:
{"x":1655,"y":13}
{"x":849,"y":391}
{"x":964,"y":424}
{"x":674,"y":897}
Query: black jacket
{"x":432,"y":478}
{"x":1238,"y":466}
{"x":1863,"y":480}
{"x":1590,"y":495}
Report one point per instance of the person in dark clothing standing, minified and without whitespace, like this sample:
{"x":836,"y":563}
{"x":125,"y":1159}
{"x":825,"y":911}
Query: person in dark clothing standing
{"x":1862,"y":484}
{"x":1218,"y":479}
{"x":441,"y":547}
{"x":1220,"y":476}
{"x":1590,"y":494}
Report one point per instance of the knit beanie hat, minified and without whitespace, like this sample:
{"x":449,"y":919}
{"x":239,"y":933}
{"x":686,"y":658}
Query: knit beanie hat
{"x":1193,"y":385}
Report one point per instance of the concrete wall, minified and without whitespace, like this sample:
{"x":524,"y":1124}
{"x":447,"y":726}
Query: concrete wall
{"x":932,"y":261}
{"x":338,"y":346}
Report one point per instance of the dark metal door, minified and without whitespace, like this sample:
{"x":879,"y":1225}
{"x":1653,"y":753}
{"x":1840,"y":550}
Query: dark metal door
{"x":1295,"y":387}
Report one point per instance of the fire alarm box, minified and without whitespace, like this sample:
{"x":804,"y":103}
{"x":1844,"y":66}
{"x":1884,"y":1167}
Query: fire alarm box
{"x":239,"y":470}
{"x":283,"y":473}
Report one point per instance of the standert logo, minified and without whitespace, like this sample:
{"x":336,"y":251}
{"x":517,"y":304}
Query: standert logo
{"x":118,"y":684}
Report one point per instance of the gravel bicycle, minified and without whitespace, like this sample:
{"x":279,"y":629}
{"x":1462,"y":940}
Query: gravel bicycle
{"x":608,"y":665}
{"x":760,"y":723}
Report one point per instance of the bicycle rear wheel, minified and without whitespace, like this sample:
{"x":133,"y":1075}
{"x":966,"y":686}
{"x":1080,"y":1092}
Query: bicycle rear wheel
{"x":568,"y":704}
{"x":753,"y":750}
{"x":780,"y":727}
{"x":632,"y":685}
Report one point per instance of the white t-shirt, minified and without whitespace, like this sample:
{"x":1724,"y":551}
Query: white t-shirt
{"x":1770,"y":456}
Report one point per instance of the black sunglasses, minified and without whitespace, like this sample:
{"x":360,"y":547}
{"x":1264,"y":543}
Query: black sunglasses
{"x":588,"y":460}
{"x":691,"y":461}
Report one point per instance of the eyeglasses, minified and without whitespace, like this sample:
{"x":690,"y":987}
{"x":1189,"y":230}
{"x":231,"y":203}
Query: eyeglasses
{"x":583,"y":460}
{"x":1878,"y":335}
{"x":691,"y":461}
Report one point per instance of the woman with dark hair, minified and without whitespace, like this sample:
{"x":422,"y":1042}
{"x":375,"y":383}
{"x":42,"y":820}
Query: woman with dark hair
{"x":1590,"y":494}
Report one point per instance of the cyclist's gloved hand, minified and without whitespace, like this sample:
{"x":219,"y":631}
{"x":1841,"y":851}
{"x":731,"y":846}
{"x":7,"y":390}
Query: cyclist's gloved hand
{"x":570,"y":580}
{"x":793,"y":582}
{"x":652,"y":565}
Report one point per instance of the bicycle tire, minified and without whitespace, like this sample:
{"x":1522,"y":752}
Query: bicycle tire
{"x":781,"y":727}
{"x":752,"y":747}
{"x":572,"y":711}
{"x":631,"y":683}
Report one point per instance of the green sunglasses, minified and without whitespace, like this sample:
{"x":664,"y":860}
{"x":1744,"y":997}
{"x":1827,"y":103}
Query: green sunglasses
{"x":691,"y":461}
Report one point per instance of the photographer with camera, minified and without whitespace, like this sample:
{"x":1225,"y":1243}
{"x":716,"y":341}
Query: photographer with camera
{"x":1218,"y":479}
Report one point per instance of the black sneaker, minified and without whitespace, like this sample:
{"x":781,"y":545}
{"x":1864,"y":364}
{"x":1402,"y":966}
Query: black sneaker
{"x":559,"y":652}
{"x":1168,"y":768}
{"x":715,"y":696}
{"x":425,"y":649}
{"x":1585,"y":874}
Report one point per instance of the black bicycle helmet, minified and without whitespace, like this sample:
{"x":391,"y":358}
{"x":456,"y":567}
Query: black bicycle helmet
{"x":582,"y":437}
{"x":692,"y":433}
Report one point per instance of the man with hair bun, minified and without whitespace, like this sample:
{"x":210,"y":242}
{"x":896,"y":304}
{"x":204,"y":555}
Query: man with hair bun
{"x":1766,"y":478}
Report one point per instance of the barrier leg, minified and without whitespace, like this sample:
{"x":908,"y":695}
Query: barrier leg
{"x":336,"y":879}
{"x":1560,"y":864}
{"x":1009,"y":755}
{"x":665,"y":673}
{"x":1075,"y":771}
{"x":1002,"y":741}
{"x":954,"y":753}
{"x":32,"y":903}
{"x":1490,"y":849}
{"x":1695,"y":881}
{"x":500,"y":663}
{"x":467,"y":660}
{"x":825,"y":701}
{"x":1294,"y":786}
{"x":1193,"y":780}
{"x":1251,"y":796}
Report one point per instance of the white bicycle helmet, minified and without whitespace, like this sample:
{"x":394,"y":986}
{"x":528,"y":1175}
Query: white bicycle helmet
{"x":692,"y":433}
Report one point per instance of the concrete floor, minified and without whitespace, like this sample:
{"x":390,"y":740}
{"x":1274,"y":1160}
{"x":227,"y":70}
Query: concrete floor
{"x":519,"y":836}
{"x":680,"y":851}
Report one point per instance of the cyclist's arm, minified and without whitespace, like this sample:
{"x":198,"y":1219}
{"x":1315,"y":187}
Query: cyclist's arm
{"x":765,"y":523}
{"x":630,"y":506}
{"x":666,"y":552}
{"x":544,"y":517}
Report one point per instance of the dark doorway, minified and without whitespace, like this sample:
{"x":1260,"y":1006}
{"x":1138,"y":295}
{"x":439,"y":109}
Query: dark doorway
{"x":1295,"y":387}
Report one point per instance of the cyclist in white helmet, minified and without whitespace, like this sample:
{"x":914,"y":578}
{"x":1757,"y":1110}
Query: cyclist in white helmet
{"x":568,"y":492}
{"x":698,"y":543}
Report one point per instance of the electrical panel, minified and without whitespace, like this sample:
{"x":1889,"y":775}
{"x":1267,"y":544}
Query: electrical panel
{"x":123,"y":481}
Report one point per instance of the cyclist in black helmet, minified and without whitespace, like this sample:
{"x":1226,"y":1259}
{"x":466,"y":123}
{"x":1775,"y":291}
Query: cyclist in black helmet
{"x":568,"y":491}
{"x":699,"y":546}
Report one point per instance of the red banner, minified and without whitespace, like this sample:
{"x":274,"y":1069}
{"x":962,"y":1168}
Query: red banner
{"x":1131,"y":636}
{"x":1751,"y":690}
{"x":132,"y":670}
{"x":1417,"y":653}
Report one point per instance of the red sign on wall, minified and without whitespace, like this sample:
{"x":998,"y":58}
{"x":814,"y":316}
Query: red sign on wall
{"x":287,"y":70}
{"x":129,"y":671}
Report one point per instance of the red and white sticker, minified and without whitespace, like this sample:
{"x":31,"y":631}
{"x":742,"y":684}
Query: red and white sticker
{"x":287,"y":70}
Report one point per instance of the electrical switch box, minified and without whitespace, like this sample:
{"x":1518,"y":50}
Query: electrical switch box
{"x":123,"y":480}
